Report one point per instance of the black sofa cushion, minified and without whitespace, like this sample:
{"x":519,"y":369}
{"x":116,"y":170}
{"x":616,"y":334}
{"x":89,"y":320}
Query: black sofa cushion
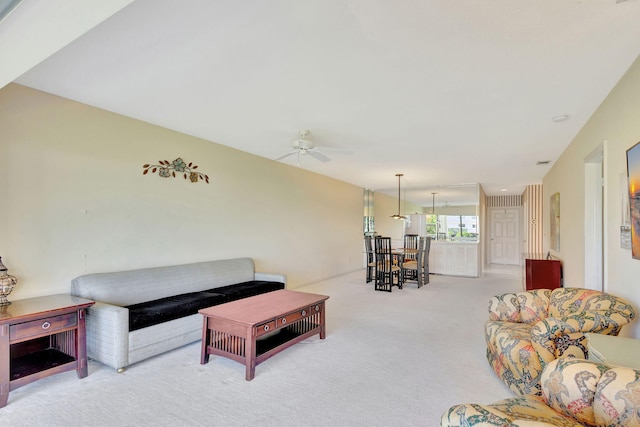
{"x":247,"y":289}
{"x":161,"y":310}
{"x":154,"y":312}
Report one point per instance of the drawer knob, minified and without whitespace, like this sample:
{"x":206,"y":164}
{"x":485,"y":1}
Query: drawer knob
{"x":304,"y":312}
{"x":46,"y":325}
{"x":284,"y":320}
{"x":317,"y":308}
{"x":266,"y":327}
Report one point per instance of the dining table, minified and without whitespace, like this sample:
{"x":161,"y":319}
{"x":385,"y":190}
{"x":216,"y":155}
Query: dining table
{"x":399,"y":254}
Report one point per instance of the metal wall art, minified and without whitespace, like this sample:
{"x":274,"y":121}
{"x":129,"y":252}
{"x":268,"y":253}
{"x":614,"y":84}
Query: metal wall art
{"x":168,"y":169}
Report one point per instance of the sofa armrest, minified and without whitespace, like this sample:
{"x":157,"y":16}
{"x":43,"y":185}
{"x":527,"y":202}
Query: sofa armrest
{"x":271,"y":277}
{"x":555,"y":337}
{"x":591,"y":393}
{"x":471,"y":414}
{"x":108,"y":334}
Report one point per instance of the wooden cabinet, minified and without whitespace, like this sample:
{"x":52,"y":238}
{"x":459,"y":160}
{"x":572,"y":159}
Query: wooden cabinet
{"x":542,"y":273}
{"x":41,"y":337}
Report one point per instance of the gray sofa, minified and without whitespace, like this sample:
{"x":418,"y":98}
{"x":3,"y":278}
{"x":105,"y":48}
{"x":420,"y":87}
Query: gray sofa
{"x":142,"y":313}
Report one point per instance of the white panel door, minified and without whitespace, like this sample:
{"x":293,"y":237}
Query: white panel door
{"x":505,"y":236}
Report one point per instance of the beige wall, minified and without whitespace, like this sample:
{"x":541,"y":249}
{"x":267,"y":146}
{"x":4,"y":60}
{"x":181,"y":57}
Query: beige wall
{"x":75,"y":201}
{"x":617,"y":122}
{"x":384,"y":207}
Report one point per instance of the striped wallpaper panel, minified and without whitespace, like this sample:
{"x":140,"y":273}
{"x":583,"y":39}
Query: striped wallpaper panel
{"x":504,"y":201}
{"x":533,"y":218}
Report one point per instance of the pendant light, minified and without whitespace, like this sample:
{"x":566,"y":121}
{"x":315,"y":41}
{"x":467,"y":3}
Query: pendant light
{"x":398,"y":216}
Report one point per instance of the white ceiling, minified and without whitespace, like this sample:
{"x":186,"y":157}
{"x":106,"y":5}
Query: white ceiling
{"x":446,"y":92}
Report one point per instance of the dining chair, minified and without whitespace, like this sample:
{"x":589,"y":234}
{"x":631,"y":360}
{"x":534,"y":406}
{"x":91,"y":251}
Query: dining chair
{"x":425,"y":262}
{"x":414,"y":269}
{"x":410,"y":242}
{"x":387,"y":274}
{"x":371,"y":262}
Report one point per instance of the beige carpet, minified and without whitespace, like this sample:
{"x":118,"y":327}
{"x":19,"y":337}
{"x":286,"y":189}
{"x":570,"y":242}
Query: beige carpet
{"x":399,"y":358}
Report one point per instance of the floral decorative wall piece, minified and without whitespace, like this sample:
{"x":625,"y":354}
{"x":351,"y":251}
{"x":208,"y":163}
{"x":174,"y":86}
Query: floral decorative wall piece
{"x":168,"y":169}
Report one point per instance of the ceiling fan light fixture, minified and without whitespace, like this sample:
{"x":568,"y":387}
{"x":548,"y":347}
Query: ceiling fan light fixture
{"x":304,"y":146}
{"x":398,"y":216}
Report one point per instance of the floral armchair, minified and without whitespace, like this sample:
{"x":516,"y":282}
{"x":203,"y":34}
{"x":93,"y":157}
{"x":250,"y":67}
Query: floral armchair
{"x":575,"y":393}
{"x":528,"y":330}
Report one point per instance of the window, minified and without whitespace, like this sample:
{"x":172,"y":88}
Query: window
{"x":453,"y":228}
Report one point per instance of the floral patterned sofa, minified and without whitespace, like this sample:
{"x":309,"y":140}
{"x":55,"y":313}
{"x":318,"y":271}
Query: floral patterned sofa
{"x":527,"y":330}
{"x":575,"y":393}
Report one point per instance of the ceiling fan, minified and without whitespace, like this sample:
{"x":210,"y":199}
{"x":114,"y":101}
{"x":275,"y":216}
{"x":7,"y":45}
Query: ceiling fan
{"x":305,"y":146}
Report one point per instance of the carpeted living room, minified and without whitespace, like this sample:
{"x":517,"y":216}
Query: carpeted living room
{"x":146,"y":143}
{"x":388,"y":359}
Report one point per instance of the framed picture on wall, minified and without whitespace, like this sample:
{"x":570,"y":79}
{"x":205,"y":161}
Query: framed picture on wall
{"x":555,"y":222}
{"x":633,"y":173}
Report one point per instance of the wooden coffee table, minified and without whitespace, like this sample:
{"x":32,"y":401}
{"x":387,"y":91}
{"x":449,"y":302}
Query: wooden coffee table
{"x":251,"y":330}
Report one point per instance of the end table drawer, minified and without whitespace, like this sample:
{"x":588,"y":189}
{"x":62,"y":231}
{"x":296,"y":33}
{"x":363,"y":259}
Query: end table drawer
{"x":45,"y":326}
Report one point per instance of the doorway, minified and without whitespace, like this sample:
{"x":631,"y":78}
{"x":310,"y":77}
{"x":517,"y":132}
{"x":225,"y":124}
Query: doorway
{"x":594,"y":219}
{"x":505,"y":236}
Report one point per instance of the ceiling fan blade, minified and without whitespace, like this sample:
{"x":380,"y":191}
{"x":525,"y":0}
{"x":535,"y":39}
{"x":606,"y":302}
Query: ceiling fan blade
{"x":318,"y":155}
{"x":287,"y":155}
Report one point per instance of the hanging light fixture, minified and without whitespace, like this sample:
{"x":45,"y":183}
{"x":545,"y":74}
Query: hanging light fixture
{"x":398,"y":216}
{"x":433,"y":203}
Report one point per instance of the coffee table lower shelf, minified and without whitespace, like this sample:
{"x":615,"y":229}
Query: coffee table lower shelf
{"x":267,"y":344}
{"x":266,"y":347}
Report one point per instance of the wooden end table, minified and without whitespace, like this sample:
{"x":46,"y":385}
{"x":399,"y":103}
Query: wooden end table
{"x":251,"y":330}
{"x":40,"y":337}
